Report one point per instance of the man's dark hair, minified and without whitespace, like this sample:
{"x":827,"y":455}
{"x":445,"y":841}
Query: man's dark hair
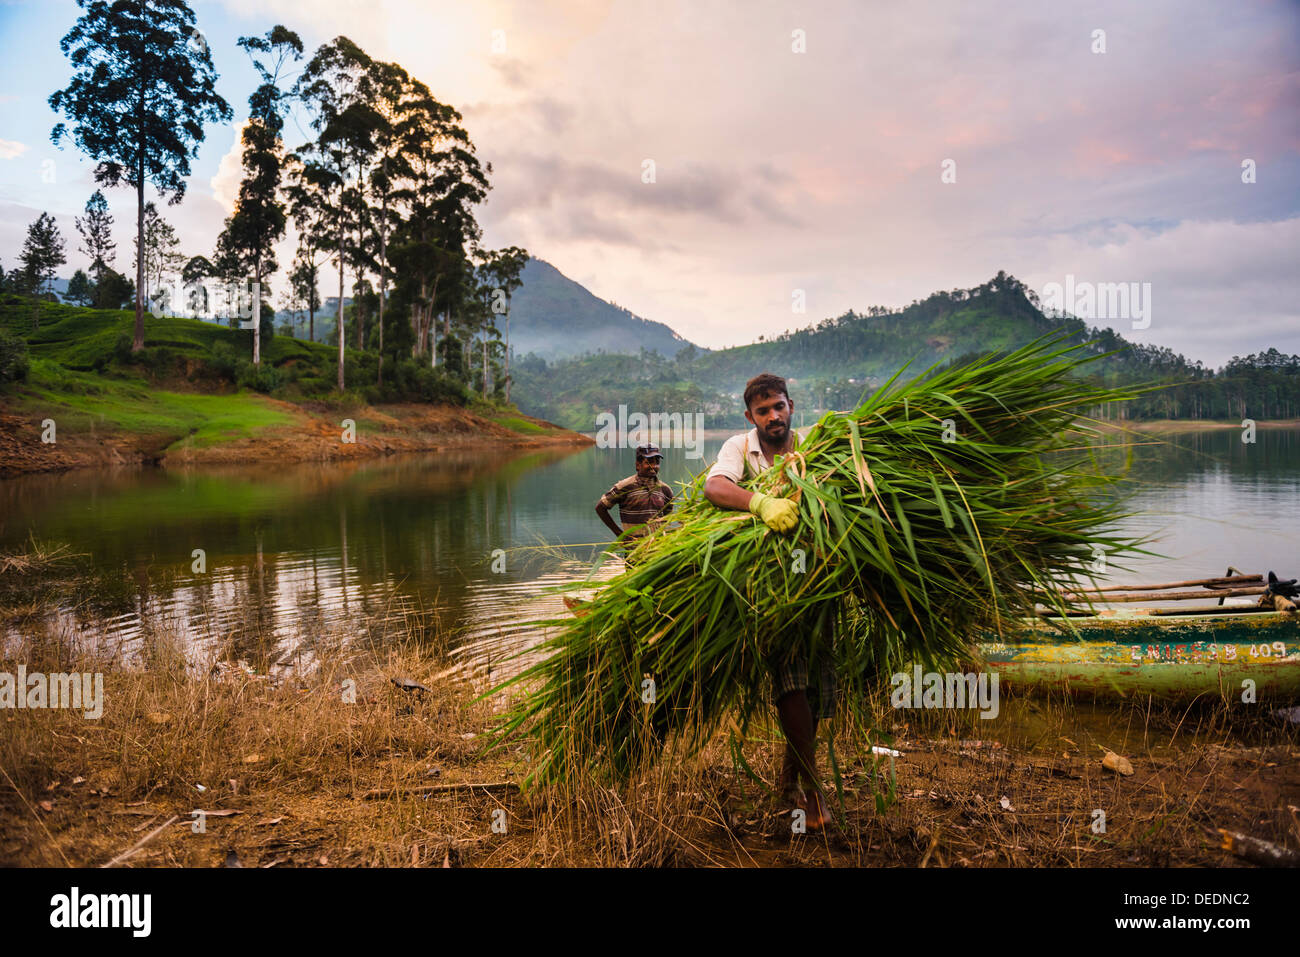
{"x":764,"y":384}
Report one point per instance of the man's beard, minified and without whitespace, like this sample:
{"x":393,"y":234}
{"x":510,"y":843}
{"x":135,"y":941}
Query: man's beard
{"x":777,"y":431}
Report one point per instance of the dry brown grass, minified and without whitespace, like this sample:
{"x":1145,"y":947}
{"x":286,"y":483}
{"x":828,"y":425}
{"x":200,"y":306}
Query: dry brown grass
{"x":297,"y":761}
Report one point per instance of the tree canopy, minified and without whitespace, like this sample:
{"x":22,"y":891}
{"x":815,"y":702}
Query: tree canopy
{"x":142,"y":87}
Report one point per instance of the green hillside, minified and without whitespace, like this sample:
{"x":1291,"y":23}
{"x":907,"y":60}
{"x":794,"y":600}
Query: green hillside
{"x":872,"y":347}
{"x":89,"y":339}
{"x":193,"y":389}
{"x":833,"y":364}
{"x":190,"y":354}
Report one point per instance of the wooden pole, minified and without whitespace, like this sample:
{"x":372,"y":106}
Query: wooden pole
{"x":1207,"y":582}
{"x":1257,"y":851}
{"x":1164,"y":596}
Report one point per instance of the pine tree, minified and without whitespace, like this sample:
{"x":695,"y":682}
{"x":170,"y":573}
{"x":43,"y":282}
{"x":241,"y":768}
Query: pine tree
{"x":195,"y":274}
{"x":80,"y":290}
{"x":499,"y":277}
{"x":441,"y":182}
{"x":392,"y":84}
{"x":305,"y":280}
{"x":161,"y":258}
{"x":327,"y":175}
{"x":96,"y":231}
{"x":42,"y":255}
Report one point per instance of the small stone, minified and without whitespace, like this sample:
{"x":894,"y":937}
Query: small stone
{"x":1117,"y":763}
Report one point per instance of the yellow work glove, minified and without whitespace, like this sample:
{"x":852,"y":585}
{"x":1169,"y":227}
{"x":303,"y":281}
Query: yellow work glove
{"x":779,"y":514}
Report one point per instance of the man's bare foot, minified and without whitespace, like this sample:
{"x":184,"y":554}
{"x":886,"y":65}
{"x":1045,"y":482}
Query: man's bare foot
{"x":814,"y":806}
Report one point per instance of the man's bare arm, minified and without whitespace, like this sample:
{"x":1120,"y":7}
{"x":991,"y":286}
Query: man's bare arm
{"x":724,"y":493}
{"x":603,"y":512}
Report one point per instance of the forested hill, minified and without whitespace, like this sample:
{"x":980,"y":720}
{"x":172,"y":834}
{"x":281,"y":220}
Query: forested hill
{"x":554,"y":317}
{"x":833,"y":364}
{"x":874,"y":345}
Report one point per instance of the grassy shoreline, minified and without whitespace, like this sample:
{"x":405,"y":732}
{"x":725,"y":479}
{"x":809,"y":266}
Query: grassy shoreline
{"x":294,"y":776}
{"x":158,"y":427}
{"x":192,"y":398}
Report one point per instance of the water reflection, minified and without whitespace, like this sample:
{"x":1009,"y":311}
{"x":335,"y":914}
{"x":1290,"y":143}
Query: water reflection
{"x":302,"y":554}
{"x":1208,"y":501}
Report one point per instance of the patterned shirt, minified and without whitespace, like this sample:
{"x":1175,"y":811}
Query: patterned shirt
{"x":639,"y":500}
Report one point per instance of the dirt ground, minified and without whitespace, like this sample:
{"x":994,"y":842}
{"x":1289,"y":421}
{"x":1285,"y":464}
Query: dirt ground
{"x":292,"y":777}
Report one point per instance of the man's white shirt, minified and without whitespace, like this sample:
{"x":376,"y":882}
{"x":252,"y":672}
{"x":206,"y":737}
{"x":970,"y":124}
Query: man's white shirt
{"x":741,"y":456}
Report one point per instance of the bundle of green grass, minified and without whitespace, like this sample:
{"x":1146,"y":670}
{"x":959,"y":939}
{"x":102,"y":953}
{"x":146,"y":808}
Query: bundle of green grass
{"x":938,"y":511}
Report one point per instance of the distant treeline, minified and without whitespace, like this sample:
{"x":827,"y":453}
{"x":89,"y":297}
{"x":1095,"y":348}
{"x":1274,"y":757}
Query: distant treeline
{"x":1263,"y":385}
{"x":839,"y":361}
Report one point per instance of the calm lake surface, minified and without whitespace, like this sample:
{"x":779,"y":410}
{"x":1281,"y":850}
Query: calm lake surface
{"x":297,"y":553}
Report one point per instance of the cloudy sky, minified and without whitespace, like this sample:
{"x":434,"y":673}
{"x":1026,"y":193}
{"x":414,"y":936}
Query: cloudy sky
{"x":802,"y":146}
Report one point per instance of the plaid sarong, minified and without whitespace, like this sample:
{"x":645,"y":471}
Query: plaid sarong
{"x":792,"y":675}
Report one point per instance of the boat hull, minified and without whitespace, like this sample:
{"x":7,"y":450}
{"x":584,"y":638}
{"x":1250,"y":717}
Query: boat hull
{"x":1138,"y":653}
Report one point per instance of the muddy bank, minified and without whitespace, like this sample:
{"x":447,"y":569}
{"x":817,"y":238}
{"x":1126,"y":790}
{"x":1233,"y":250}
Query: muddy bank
{"x":316,"y":433}
{"x":323,"y":760}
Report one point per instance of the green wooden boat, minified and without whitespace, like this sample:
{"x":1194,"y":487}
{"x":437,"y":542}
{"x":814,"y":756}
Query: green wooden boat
{"x":1170,"y":654}
{"x":1179,"y":653}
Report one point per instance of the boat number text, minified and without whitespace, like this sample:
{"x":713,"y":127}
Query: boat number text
{"x":1201,"y":651}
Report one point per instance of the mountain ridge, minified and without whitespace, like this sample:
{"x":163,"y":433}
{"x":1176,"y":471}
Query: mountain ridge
{"x":554,"y":317}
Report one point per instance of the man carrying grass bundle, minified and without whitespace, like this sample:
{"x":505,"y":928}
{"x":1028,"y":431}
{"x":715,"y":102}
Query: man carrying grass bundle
{"x":910,"y":557}
{"x":800,"y":700}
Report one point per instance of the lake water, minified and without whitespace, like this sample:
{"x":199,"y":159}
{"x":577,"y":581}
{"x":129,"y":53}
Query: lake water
{"x":295,"y":553}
